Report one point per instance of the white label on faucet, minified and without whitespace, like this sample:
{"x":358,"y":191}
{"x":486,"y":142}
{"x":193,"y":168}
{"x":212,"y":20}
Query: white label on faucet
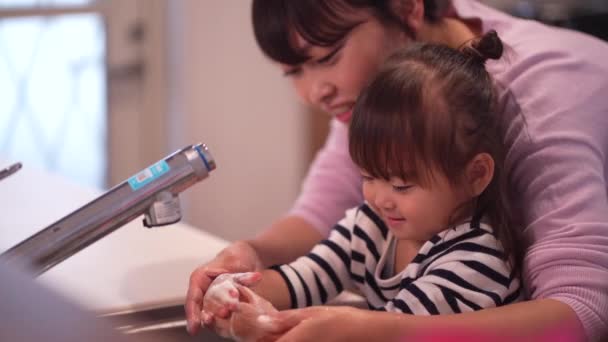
{"x":166,"y":211}
{"x":148,"y":175}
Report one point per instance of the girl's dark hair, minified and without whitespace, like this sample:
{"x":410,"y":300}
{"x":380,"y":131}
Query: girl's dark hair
{"x":320,"y":22}
{"x":431,"y":109}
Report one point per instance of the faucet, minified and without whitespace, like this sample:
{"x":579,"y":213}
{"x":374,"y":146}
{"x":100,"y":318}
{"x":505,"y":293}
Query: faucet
{"x":9,"y":170}
{"x":152,"y":192}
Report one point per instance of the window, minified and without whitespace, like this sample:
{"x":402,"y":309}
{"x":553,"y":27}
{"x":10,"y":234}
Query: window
{"x":65,"y":67}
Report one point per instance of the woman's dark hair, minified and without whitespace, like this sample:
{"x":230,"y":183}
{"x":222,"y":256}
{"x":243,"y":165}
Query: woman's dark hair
{"x":430,"y":109}
{"x":320,"y":22}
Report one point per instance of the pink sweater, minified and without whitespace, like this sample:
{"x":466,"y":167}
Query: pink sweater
{"x":557,"y":160}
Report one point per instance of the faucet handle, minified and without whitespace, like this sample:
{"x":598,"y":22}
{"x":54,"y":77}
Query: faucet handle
{"x":165,"y":210}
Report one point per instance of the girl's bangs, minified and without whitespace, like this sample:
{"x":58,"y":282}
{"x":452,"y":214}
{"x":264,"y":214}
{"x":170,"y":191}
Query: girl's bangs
{"x":382,"y":146}
{"x":384,"y":159}
{"x":388,"y":132}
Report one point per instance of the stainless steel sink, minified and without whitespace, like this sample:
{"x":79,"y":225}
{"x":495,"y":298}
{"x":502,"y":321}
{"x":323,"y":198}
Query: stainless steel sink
{"x":162,"y":324}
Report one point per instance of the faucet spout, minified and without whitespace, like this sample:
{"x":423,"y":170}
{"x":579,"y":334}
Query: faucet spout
{"x":153,"y":192}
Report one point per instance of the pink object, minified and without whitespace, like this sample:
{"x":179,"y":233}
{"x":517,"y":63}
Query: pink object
{"x":558,"y":160}
{"x":562,"y":334}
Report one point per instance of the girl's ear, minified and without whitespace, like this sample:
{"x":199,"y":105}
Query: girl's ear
{"x":411,"y":12}
{"x":479,"y":173}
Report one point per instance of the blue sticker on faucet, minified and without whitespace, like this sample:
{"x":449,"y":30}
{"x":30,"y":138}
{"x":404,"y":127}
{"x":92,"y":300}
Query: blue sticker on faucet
{"x":148,"y":175}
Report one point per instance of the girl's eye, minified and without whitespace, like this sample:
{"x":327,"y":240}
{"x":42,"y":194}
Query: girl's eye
{"x":401,"y":188}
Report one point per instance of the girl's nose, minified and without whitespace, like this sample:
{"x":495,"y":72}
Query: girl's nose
{"x":321,"y":93}
{"x":383,"y":200}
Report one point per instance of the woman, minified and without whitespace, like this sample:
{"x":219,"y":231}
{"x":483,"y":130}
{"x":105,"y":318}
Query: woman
{"x":556,"y":160}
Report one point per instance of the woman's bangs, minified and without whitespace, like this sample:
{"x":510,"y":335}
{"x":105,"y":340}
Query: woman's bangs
{"x":321,"y":23}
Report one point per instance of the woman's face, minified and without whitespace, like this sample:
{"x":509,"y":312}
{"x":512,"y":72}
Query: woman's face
{"x":333,"y":77}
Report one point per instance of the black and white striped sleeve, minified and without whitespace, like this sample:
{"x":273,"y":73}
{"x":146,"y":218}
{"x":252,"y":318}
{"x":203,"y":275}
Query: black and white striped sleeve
{"x":465,"y":276}
{"x":325,"y":272}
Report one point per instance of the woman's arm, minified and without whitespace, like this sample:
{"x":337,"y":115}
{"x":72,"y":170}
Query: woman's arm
{"x":332,"y":185}
{"x":559,"y":169}
{"x":292,"y":231}
{"x":273,"y":288}
{"x":532,"y":320}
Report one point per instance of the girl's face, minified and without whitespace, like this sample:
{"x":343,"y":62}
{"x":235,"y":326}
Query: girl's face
{"x":333,"y":77}
{"x":413,"y":212}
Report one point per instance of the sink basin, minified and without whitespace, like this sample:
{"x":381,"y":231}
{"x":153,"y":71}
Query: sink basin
{"x":169,"y":324}
{"x":58,"y":319}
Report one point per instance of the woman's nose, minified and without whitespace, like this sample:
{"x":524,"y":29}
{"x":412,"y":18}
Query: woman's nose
{"x":322,"y":93}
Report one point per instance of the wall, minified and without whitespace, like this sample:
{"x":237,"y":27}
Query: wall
{"x":223,"y":92}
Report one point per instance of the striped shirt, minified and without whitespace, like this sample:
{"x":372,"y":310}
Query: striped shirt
{"x":460,"y":269}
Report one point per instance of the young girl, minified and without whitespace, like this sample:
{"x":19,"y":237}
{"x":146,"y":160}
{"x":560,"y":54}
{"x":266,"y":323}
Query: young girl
{"x":435,"y":234}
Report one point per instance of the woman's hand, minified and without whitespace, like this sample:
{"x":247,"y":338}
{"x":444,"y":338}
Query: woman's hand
{"x":238,"y":257}
{"x":537,"y":320}
{"x":330,"y":323}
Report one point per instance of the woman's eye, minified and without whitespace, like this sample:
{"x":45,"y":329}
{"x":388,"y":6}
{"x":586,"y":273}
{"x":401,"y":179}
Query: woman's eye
{"x":367,"y":178}
{"x":295,"y":71}
{"x":328,"y":58}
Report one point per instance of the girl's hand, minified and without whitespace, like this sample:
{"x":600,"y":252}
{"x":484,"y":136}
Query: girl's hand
{"x":249,"y":314}
{"x":252,"y":321}
{"x":224,"y":294}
